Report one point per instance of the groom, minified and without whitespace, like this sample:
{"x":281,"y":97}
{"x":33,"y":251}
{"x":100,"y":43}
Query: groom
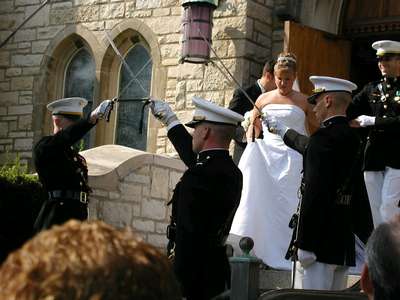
{"x":325,"y":240}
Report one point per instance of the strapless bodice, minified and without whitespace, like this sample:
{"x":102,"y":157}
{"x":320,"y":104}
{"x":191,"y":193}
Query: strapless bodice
{"x":289,"y":114}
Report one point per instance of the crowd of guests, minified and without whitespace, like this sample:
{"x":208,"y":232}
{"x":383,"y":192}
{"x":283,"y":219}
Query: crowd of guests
{"x":294,"y":192}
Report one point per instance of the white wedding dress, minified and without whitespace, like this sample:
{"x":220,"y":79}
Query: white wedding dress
{"x":271,"y":179}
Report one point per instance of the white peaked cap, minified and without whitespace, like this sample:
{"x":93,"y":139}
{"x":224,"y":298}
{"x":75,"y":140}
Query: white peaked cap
{"x":323,"y":84}
{"x":206,"y":111}
{"x":67,"y":106}
{"x":386,"y":47}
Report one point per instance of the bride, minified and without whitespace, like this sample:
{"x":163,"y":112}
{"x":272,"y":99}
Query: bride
{"x":272,"y":171}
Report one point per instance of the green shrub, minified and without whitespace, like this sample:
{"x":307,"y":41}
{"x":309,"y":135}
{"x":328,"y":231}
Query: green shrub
{"x":21,"y":197}
{"x":17,"y":172}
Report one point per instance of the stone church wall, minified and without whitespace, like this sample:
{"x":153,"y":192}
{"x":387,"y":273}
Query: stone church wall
{"x":245,"y":34}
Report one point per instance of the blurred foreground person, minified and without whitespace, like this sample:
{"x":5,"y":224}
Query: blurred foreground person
{"x":90,"y":260}
{"x":381,"y":274}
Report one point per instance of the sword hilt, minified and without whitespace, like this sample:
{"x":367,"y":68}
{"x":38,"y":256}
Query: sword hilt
{"x":107,"y":113}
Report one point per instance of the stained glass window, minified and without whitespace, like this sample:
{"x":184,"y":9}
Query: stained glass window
{"x":80,"y":78}
{"x":134,"y":88}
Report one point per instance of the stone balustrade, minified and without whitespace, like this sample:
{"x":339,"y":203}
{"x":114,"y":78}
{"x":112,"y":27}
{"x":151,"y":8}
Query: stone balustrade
{"x":132,"y":188}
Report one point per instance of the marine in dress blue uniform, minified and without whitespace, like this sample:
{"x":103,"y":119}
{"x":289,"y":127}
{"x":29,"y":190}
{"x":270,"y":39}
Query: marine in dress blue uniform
{"x":205,"y":199}
{"x":325,"y":234}
{"x":377,"y":107}
{"x":62,"y":170}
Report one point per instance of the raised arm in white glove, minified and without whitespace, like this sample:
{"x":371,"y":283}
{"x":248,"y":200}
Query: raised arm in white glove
{"x":163,"y":112}
{"x":365,"y":121}
{"x":274,"y":125}
{"x":102,"y":111}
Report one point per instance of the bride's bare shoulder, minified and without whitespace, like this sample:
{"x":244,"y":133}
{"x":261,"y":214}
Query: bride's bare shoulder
{"x":300,"y":99}
{"x":300,"y":96}
{"x":265,"y":99}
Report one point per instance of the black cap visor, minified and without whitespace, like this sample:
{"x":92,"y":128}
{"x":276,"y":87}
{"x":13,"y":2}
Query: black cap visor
{"x":387,"y":56}
{"x":70,"y":116}
{"x":313,"y":98}
{"x":194,"y":123}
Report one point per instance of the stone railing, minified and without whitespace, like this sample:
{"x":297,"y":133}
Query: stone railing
{"x":132,"y":188}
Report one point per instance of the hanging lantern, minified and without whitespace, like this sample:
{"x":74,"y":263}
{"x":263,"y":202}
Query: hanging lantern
{"x":196,"y":28}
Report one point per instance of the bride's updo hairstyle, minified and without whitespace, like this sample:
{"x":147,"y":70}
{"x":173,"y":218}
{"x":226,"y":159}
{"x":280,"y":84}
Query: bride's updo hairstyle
{"x":286,"y":61}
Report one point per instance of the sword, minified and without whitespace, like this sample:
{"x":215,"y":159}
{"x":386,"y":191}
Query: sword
{"x":123,"y":60}
{"x":145,"y":100}
{"x":108,"y":110}
{"x":134,"y":78}
{"x":233,"y":78}
{"x":294,"y":224}
{"x":227,"y":70}
{"x":23,"y":23}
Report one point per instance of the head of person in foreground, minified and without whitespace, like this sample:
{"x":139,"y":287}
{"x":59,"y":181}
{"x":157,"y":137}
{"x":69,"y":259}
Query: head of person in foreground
{"x":380,"y":278}
{"x":87,"y":260}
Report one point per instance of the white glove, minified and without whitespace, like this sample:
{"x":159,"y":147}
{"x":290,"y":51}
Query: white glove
{"x":246,"y":122}
{"x":102,"y":111}
{"x":163,"y":112}
{"x":306,"y":258}
{"x":274,"y":125}
{"x":366,"y":120}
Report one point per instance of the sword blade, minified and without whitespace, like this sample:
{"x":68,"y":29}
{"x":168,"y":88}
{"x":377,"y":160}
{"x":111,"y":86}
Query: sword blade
{"x":293,"y":275}
{"x":23,"y":23}
{"x":134,"y":78}
{"x":123,"y":61}
{"x":134,"y":99}
{"x":227,"y":70}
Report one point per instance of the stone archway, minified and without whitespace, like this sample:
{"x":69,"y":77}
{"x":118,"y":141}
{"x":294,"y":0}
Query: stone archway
{"x":363,"y":25}
{"x":53,"y":64}
{"x":122,"y":35}
{"x":350,"y":21}
{"x":324,"y":15}
{"x":347,"y":18}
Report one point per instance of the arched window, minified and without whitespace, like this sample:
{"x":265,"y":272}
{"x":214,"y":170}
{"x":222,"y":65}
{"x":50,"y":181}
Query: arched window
{"x":80,"y":76}
{"x":134,"y":87}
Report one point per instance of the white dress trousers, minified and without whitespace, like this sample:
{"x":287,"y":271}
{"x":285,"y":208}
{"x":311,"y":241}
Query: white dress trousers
{"x":320,"y":276}
{"x":383,"y":189}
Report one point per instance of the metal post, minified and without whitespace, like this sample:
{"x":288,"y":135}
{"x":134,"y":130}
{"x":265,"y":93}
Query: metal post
{"x":245,"y":273}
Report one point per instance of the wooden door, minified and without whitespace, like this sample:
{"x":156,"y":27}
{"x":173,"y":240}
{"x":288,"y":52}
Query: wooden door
{"x":318,"y":53}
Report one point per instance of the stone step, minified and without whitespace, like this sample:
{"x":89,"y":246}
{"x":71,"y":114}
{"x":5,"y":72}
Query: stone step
{"x":277,"y":279}
{"x":274,"y":279}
